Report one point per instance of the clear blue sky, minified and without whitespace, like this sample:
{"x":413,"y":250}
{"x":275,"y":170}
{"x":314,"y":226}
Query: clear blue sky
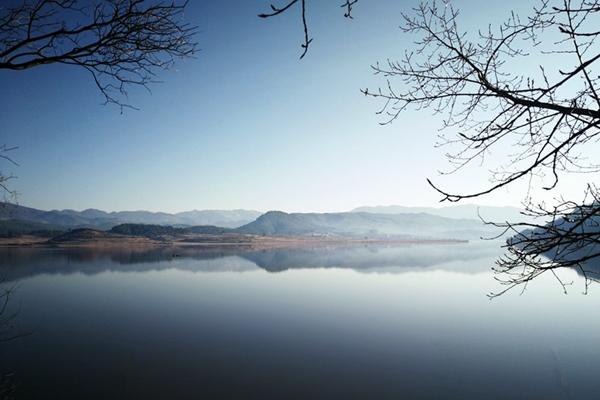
{"x":245,"y":124}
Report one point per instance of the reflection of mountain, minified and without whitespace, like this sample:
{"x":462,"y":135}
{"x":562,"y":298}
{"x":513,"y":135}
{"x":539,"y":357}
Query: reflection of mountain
{"x":361,"y":258}
{"x":18,"y":263}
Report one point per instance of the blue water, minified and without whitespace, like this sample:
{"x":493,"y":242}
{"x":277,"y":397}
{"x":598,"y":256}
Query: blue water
{"x":365,"y":322}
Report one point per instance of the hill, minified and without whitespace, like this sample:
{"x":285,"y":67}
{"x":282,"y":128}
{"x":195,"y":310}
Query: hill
{"x":217,"y":239}
{"x":373,"y":226}
{"x":91,"y":236}
{"x":156,"y":231}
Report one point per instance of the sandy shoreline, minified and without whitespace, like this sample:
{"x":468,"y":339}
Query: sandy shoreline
{"x":210,"y":242}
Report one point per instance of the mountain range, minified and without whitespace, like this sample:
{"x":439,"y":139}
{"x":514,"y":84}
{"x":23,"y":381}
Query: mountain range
{"x":467,"y":211}
{"x":103,"y":220}
{"x":459,"y":222}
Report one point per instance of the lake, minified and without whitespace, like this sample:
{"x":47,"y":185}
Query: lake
{"x":359,"y":322}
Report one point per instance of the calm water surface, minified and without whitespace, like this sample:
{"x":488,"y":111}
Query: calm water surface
{"x":364,"y":322}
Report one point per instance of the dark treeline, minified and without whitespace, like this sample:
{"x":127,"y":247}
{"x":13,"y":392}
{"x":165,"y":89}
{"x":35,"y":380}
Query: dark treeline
{"x":13,"y":228}
{"x":151,"y":231}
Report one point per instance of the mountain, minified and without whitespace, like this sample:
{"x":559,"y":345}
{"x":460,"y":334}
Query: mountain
{"x":468,"y":211}
{"x":225,"y":219}
{"x":11,"y":211}
{"x":92,"y":218}
{"x":362,"y":224}
{"x":372,"y":222}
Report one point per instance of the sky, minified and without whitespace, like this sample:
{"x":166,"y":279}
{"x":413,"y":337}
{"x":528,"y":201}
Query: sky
{"x":245,"y":124}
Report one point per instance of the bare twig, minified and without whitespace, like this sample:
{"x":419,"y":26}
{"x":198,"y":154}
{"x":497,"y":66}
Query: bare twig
{"x":276,"y":11}
{"x":488,"y":102}
{"x":120,"y":42}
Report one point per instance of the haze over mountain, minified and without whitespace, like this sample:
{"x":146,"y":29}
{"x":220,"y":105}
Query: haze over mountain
{"x":371,"y":222}
{"x":469,"y":211}
{"x":362,"y":224}
{"x":104,"y":220}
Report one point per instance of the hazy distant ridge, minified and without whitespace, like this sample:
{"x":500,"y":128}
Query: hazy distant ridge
{"x":104,"y":220}
{"x":372,"y":222}
{"x":469,"y":211}
{"x":369,"y":225}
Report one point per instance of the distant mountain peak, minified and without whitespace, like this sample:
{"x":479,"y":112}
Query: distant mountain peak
{"x":99,"y":219}
{"x":370,"y":225}
{"x":460,"y":211}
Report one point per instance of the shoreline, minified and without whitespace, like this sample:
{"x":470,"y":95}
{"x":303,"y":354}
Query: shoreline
{"x":214,"y":242}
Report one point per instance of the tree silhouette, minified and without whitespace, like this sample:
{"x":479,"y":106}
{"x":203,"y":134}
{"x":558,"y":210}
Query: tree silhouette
{"x":546,"y":115}
{"x":119,"y":42}
{"x":9,"y":329}
{"x":7,"y":193}
{"x":276,"y":11}
{"x":489,"y":95}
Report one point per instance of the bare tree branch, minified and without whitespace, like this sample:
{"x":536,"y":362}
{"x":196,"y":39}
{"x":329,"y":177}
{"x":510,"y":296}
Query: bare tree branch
{"x":9,"y":328}
{"x":8,"y":195}
{"x":487,"y":102}
{"x":120,"y":42}
{"x":276,"y":11}
{"x":569,"y":240}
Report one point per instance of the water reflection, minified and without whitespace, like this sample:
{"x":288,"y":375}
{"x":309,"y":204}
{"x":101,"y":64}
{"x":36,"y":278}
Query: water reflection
{"x":18,"y":263}
{"x":349,"y":323}
{"x":392,"y":258}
